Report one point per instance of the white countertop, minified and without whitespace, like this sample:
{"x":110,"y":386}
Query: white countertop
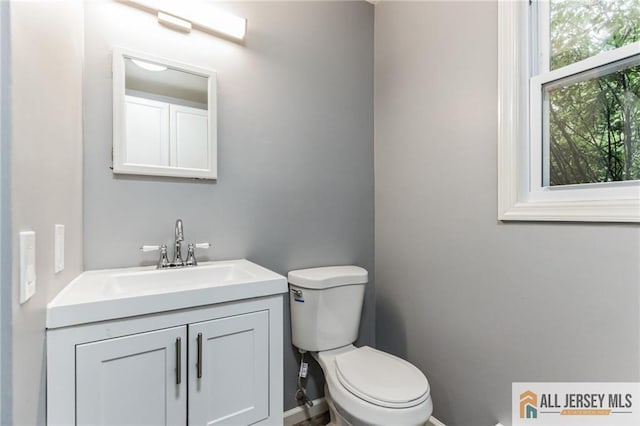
{"x":118,"y":293}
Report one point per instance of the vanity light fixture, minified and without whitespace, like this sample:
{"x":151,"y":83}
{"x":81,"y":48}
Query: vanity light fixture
{"x":187,"y":15}
{"x":148,"y":65}
{"x":174,"y":23}
{"x":224,"y":23}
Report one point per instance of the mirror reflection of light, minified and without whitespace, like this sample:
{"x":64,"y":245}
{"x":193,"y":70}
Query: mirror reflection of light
{"x":148,"y":65}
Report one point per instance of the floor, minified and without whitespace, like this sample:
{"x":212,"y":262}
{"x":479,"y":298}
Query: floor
{"x":319,"y":420}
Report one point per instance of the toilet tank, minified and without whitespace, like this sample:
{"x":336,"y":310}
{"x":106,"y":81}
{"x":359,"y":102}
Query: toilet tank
{"x":326,"y":304}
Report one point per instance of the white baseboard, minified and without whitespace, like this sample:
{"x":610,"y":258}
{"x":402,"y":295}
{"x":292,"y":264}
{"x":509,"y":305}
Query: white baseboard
{"x":435,"y":422}
{"x":302,"y":413}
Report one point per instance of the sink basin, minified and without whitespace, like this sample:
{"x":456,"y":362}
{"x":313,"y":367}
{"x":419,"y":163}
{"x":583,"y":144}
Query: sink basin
{"x":206,"y":275}
{"x":119,"y":293}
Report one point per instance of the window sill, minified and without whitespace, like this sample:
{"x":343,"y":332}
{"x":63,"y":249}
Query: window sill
{"x":573,"y":211}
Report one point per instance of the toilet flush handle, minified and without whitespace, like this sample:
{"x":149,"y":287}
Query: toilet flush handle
{"x":296,"y":292}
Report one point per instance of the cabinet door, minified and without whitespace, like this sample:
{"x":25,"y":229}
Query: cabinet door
{"x":133,"y":380}
{"x":189,"y":137}
{"x":147,"y":132}
{"x":229,"y":370}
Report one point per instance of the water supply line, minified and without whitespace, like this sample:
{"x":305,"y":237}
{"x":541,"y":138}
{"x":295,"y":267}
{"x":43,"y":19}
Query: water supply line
{"x":301,"y":392}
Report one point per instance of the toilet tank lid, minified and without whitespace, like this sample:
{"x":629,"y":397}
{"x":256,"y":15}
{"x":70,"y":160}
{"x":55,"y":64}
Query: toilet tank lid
{"x":328,"y":276}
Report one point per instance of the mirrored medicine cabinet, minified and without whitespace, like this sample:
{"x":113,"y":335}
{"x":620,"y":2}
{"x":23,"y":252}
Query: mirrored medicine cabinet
{"x":164,"y":117}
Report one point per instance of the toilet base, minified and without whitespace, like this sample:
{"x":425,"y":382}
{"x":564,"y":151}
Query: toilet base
{"x":339,"y":420}
{"x":336,"y":418}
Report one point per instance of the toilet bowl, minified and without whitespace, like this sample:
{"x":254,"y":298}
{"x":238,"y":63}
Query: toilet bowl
{"x":364,"y":386}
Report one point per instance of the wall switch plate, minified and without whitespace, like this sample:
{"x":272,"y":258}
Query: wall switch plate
{"x":58,"y":250}
{"x":27,"y":265}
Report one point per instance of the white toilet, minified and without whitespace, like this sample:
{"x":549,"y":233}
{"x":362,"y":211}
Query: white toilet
{"x":364,"y":386}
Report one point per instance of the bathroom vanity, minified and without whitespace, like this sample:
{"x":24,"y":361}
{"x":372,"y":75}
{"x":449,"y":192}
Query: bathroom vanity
{"x":194,"y":346}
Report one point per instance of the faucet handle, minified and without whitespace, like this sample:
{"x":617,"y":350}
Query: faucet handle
{"x":191,"y":256}
{"x":163,"y":262}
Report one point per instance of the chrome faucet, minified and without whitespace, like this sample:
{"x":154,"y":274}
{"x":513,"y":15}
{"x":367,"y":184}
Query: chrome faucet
{"x":163,"y":262}
{"x":177,"y":254}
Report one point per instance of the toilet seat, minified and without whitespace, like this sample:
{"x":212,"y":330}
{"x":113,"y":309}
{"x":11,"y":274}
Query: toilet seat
{"x":381,"y":378}
{"x":358,"y":411}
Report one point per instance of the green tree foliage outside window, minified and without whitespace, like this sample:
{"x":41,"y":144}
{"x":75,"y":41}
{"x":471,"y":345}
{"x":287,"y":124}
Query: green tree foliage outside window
{"x":594,"y":125}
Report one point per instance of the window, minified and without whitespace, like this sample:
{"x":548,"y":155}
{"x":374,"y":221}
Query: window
{"x":569,"y":130}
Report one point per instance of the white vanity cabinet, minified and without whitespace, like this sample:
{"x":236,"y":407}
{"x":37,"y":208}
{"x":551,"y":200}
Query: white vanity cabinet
{"x":165,"y":134}
{"x":188,"y":137}
{"x":134,"y":379}
{"x":234,"y":371}
{"x":218,"y":364}
{"x":147,"y":132}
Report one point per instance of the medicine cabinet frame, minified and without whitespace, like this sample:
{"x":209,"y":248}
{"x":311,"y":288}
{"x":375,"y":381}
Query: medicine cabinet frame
{"x":120,"y":163}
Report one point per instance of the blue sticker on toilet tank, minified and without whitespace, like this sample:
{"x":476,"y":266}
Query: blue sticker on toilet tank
{"x":299,"y":299}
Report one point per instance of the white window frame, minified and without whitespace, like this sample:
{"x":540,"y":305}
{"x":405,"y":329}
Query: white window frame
{"x":520,"y":193}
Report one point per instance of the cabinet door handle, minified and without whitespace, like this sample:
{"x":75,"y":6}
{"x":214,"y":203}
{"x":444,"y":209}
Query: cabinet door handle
{"x":178,"y":360}
{"x":199,"y":356}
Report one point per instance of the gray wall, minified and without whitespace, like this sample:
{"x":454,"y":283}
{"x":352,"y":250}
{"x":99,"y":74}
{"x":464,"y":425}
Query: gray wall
{"x":46,"y":175}
{"x":295,"y":135}
{"x":5,"y":217}
{"x":475,"y":303}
